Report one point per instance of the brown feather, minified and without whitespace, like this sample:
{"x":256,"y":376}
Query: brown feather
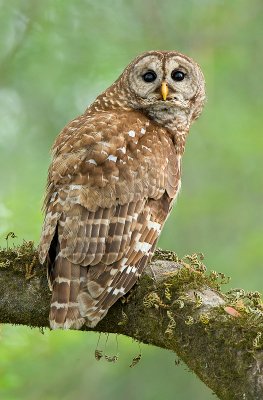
{"x":113,"y":179}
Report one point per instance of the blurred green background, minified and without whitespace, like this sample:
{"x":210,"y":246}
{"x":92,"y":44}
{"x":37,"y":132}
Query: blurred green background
{"x":55,"y":58}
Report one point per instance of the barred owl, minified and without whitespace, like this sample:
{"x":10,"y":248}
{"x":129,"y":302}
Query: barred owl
{"x":112,"y":183}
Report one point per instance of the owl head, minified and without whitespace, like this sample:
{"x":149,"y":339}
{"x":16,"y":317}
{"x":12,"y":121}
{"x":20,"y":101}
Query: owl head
{"x":165,"y":85}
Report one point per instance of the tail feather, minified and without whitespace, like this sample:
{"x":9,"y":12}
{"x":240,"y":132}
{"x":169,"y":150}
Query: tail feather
{"x":94,"y":308}
{"x":65,"y":280}
{"x":60,"y":281}
{"x":73,"y":318}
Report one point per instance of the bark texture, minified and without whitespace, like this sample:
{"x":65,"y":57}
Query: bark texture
{"x":177,"y":305}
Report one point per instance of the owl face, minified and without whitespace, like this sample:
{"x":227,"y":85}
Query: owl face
{"x":165,"y":83}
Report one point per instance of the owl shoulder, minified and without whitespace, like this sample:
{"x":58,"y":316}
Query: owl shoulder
{"x":113,"y":152}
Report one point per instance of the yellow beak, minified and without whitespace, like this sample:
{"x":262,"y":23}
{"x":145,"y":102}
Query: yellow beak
{"x":164,"y":90}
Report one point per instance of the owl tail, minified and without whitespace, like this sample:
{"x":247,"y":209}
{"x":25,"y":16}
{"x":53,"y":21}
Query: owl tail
{"x":66,"y":280}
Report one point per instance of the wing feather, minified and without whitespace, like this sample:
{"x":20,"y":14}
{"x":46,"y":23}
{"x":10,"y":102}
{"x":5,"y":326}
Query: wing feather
{"x":107,"y":283}
{"x":109,"y":193}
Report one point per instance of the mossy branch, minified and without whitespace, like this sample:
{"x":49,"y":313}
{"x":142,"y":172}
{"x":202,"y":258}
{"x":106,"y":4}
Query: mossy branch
{"x":219,"y":336}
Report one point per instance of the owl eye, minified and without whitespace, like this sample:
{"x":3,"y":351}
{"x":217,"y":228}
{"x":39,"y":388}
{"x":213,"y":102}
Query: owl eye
{"x":177,"y":75}
{"x":149,"y":76}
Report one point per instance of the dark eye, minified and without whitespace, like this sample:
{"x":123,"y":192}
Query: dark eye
{"x":177,"y":75}
{"x":149,"y":76}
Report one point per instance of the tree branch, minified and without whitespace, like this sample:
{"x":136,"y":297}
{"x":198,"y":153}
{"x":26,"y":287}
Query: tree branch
{"x":219,"y":336}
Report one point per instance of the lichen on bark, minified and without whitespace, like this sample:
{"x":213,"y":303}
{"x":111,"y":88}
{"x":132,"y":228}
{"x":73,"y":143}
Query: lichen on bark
{"x":176,"y":305}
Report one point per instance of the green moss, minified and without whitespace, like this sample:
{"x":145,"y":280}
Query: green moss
{"x":22,"y":259}
{"x":241,"y":313}
{"x":176,"y":317}
{"x":165,"y":255}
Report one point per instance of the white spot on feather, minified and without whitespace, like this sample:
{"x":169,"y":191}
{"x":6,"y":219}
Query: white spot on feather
{"x":144,"y":247}
{"x":92,"y":161}
{"x":128,"y":270}
{"x":154,"y":225}
{"x":145,"y":147}
{"x":117,"y":291}
{"x":113,"y":271}
{"x":123,"y":264}
{"x":122,"y":149}
{"x":59,"y":305}
{"x":112,"y":158}
{"x":143,"y":131}
{"x":74,"y":187}
{"x":60,"y":279}
{"x":53,"y":196}
{"x":131,"y":133}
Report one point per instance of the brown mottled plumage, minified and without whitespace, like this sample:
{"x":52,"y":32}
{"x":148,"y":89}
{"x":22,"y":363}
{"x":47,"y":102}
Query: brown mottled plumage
{"x":114,"y":177}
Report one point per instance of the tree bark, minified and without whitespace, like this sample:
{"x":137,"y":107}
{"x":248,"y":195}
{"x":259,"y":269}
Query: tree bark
{"x":176,"y":305}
